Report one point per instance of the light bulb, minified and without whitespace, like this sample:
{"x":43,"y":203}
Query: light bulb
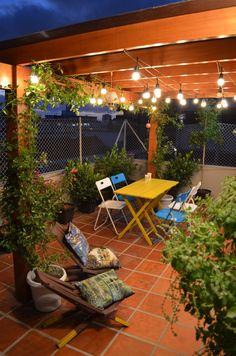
{"x":221,"y":80}
{"x":235,"y":97}
{"x":131,"y":107}
{"x":154,"y":108}
{"x":154,"y":100}
{"x":180,"y":95}
{"x":195,"y":100}
{"x":4,"y":83}
{"x":140,"y":101}
{"x":224,"y":103}
{"x":103,"y":90}
{"x":167,"y":100}
{"x":136,"y":73}
{"x":99,"y":101}
{"x":92,"y":100}
{"x":34,"y":79}
{"x":146,"y":94}
{"x":183,"y":102}
{"x":157,"y":91}
{"x":203,"y":103}
{"x":122,"y":99}
{"x":218,"y":105}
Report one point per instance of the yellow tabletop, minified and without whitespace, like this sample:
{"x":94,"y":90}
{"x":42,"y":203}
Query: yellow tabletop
{"x":147,"y":189}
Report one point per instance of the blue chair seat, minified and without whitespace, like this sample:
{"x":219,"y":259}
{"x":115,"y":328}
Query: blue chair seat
{"x":169,"y":214}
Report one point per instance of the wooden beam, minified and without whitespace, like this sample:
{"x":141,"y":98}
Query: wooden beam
{"x":187,"y":27}
{"x":170,"y":55}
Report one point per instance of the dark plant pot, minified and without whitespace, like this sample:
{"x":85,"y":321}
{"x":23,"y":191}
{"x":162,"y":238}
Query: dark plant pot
{"x":202,"y":193}
{"x":66,"y":214}
{"x":88,"y":206}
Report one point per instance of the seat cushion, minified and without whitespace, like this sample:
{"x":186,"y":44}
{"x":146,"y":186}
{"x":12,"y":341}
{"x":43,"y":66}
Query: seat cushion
{"x":77,"y":243}
{"x":168,"y":214}
{"x":103,"y":289}
{"x":102,"y":257}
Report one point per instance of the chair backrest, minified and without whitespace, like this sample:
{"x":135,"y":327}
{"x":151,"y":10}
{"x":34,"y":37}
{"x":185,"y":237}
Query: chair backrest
{"x":181,"y":198}
{"x":104,"y":184}
{"x":117,"y":179}
{"x":193,"y":192}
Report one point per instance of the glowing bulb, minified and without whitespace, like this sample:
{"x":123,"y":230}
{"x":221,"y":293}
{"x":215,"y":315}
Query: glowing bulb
{"x":221,"y":80}
{"x":140,"y":101}
{"x":131,"y":107}
{"x":180,"y":95}
{"x":99,"y":101}
{"x":146,"y":94}
{"x":224,"y":103}
{"x":195,"y":100}
{"x":122,"y":99}
{"x":167,"y":100}
{"x":218,"y":105}
{"x":136,"y":73}
{"x":235,"y":97}
{"x":103,"y":90}
{"x":34,"y":79}
{"x":157,"y":91}
{"x":154,"y":108}
{"x":92,"y":100}
{"x":183,"y":102}
{"x":203,"y":103}
{"x":154,"y":100}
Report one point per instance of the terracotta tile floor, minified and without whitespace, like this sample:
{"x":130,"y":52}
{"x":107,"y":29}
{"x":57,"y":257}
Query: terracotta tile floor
{"x":149,"y":333}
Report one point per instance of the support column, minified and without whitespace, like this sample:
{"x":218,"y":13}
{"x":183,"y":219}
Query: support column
{"x":152,"y":145}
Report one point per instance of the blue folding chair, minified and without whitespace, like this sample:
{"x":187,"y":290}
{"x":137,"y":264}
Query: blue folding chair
{"x":170,"y":214}
{"x":118,"y":181}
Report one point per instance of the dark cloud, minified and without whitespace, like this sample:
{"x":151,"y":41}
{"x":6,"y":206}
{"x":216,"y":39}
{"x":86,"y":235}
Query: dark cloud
{"x":21,"y":17}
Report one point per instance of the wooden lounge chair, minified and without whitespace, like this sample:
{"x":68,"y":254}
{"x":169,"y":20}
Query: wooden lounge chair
{"x":70,"y":292}
{"x":74,"y":272}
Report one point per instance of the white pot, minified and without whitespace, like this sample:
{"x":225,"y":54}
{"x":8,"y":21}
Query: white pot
{"x":166,"y":201}
{"x":44,"y":299}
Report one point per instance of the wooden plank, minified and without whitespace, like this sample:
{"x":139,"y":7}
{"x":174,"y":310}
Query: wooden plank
{"x":186,"y":27}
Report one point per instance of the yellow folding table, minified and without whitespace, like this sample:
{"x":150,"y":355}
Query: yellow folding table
{"x":148,"y":194}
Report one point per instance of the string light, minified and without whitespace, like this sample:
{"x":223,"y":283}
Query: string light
{"x":235,"y":97}
{"x":154,"y":108}
{"x":103,"y":90}
{"x":157,"y":90}
{"x":218,"y":105}
{"x":180,"y":94}
{"x":140,"y":101}
{"x":224,"y":103}
{"x":220,"y":80}
{"x":122,"y":99}
{"x":154,"y":99}
{"x":146,"y":93}
{"x":136,"y":73}
{"x":168,"y":100}
{"x":195,"y":100}
{"x":183,"y":102}
{"x":203,"y":103}
{"x":92,"y":100}
{"x":131,"y":107}
{"x":99,"y":101}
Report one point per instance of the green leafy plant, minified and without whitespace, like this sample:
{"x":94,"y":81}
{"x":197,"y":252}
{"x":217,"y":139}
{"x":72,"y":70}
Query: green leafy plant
{"x":181,"y":169}
{"x":28,"y":203}
{"x":80,"y":180}
{"x":114,"y":162}
{"x":204,"y":257}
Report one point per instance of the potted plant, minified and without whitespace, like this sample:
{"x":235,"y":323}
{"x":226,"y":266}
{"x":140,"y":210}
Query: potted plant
{"x":114,"y":162}
{"x":204,"y":257}
{"x":80,"y":179}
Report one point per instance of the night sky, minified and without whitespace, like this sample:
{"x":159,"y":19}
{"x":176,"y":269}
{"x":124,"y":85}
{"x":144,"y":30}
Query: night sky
{"x":22,"y":17}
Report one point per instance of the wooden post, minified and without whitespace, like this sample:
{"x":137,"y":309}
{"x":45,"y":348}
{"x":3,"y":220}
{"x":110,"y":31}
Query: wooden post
{"x":152,"y":147}
{"x":22,"y":290}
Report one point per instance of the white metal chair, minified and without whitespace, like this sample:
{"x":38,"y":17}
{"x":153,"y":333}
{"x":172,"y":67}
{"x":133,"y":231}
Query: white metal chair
{"x":109,"y":205}
{"x":189,"y":205}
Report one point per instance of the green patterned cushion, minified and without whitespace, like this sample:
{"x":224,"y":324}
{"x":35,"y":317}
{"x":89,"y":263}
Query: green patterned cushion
{"x":103,"y":289}
{"x":102,"y":257}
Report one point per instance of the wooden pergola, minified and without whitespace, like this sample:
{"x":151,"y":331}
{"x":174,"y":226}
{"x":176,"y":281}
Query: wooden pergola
{"x":184,"y":44}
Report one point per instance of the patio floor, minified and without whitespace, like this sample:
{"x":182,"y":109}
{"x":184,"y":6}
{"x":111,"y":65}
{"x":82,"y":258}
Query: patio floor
{"x":149,"y":333}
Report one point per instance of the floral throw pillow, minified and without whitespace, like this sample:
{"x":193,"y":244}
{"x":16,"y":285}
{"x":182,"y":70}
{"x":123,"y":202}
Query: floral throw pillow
{"x":102,"y":257}
{"x":77,"y":243}
{"x":103,"y":289}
